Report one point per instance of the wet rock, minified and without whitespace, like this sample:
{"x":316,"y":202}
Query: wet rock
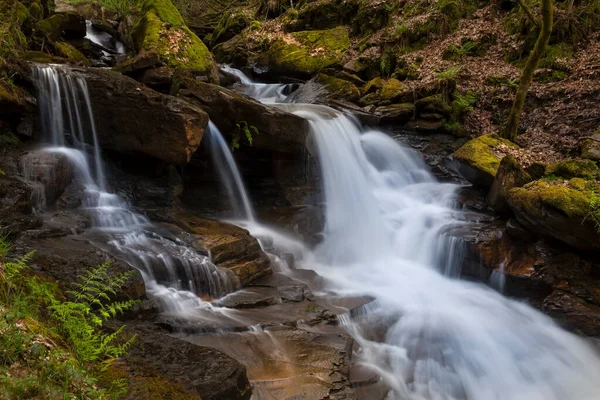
{"x":131,"y":118}
{"x":204,"y":371}
{"x":510,"y":175}
{"x":277,"y":130}
{"x":15,"y":205}
{"x":574,"y":312}
{"x":478,"y":159}
{"x":139,"y":63}
{"x":338,"y":88}
{"x":292,"y":292}
{"x":396,"y":113}
{"x":558,"y":209}
{"x":590,"y":148}
{"x":159,"y":26}
{"x":68,"y":25}
{"x":307,"y":53}
{"x":53,"y":170}
{"x":157,"y":78}
{"x":229,"y":246}
{"x":250,"y":298}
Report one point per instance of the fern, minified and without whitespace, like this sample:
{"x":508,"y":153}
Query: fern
{"x":450,"y":73}
{"x":247,"y":130}
{"x":92,"y":306}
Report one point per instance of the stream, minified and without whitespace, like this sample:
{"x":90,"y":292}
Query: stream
{"x":420,"y":331}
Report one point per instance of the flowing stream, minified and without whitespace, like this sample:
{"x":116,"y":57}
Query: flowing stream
{"x":174,"y":273}
{"x":428,"y":335}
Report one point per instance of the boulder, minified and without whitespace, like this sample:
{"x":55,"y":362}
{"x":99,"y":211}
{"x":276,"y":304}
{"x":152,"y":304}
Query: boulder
{"x":131,"y":118}
{"x":68,"y":25}
{"x":73,"y":55}
{"x":338,"y":89}
{"x":303,"y":54}
{"x":590,"y":148}
{"x":559,"y":209}
{"x":52,"y":170}
{"x":478,"y":159}
{"x":374,"y":85}
{"x":15,"y":205}
{"x":510,"y":175}
{"x":277,"y":129}
{"x":161,"y":29}
{"x":392,"y":90}
{"x":568,"y":169}
{"x":396,"y":113}
{"x":434,"y":104}
{"x":229,"y":247}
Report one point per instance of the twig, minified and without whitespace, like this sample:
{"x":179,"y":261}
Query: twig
{"x":529,"y":13}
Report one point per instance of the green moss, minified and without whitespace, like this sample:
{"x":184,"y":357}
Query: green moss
{"x":373,"y":85}
{"x":72,"y":54}
{"x":309,"y":51}
{"x":52,"y":27}
{"x":434,"y":104}
{"x":371,"y":17}
{"x":161,"y":30}
{"x":229,"y":25}
{"x":479,"y":153}
{"x":577,"y":183}
{"x":8,"y":139}
{"x":338,"y":88}
{"x":12,"y":39}
{"x":22,"y":14}
{"x":585,"y":169}
{"x":392,"y":90}
{"x":549,"y":75}
{"x":36,"y":10}
{"x":573,"y":202}
{"x":41,"y":57}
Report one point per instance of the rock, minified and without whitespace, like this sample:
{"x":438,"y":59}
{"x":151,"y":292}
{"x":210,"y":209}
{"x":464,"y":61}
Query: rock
{"x":478,"y":159}
{"x":292,"y":292}
{"x":574,"y":312}
{"x":396,"y":113}
{"x":73,"y":55}
{"x":157,"y":78}
{"x":374,"y":85}
{"x":338,"y":89}
{"x":131,"y":118}
{"x":68,"y":25}
{"x":15,"y":205}
{"x":139,"y":63}
{"x":558,"y":209}
{"x":433,"y":104}
{"x":392,"y":90}
{"x":510,"y":175}
{"x":568,"y":169}
{"x":426,"y":126}
{"x":590,"y":147}
{"x":14,"y":99}
{"x":161,"y":29}
{"x":161,"y":362}
{"x":229,"y":247}
{"x":230,"y":24}
{"x":234,"y":51}
{"x":277,"y":130}
{"x":305,"y":53}
{"x":53,"y":170}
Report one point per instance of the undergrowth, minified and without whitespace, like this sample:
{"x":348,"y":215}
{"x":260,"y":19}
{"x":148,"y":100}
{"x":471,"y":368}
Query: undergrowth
{"x":245,"y":130}
{"x":52,"y":346}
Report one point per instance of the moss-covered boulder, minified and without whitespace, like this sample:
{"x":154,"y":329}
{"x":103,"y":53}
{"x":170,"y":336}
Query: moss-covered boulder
{"x":392,"y":90}
{"x":478,"y":159}
{"x":161,"y":30}
{"x":510,"y":175}
{"x":324,"y":15}
{"x":338,"y":88}
{"x":373,"y":85}
{"x":73,"y":55}
{"x":435,"y":104}
{"x":568,"y":169}
{"x":12,"y":39}
{"x":303,"y":54}
{"x":590,"y":148}
{"x":396,"y":113}
{"x":68,"y":25}
{"x":560,"y":209}
{"x":230,"y":24}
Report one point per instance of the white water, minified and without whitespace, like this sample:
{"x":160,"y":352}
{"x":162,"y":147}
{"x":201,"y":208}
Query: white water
{"x":173,"y":273}
{"x":103,"y":39}
{"x":265,"y":92}
{"x":430,"y":335}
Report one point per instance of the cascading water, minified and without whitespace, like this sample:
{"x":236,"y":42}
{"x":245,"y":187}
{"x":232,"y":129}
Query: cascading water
{"x":265,"y":92}
{"x":173,"y":273}
{"x":428,"y":335}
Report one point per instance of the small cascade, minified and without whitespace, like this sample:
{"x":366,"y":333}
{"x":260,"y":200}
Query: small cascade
{"x":174,"y":273}
{"x":263,"y":92}
{"x":229,"y":174}
{"x":107,"y":42}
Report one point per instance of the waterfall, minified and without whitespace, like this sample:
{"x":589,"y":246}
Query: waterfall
{"x":429,"y":335}
{"x":264,"y":92}
{"x":229,"y":173}
{"x":173,"y":273}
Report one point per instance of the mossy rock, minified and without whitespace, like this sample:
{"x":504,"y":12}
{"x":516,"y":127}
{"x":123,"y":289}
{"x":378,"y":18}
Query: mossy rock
{"x":338,"y":88}
{"x":12,"y":39}
{"x":585,"y":169}
{"x":161,"y":29}
{"x":559,"y":209}
{"x":510,"y":175}
{"x":370,"y":99}
{"x":373,"y":85}
{"x":478,"y":159}
{"x":52,"y":27}
{"x":549,"y":76}
{"x":590,"y":148}
{"x":230,"y":24}
{"x":396,"y":113}
{"x":392,"y":90}
{"x":305,"y":53}
{"x":371,"y":17}
{"x":42,"y":58}
{"x":72,"y":54}
{"x":433,"y":104}
{"x":36,"y":10}
{"x":323,"y":15}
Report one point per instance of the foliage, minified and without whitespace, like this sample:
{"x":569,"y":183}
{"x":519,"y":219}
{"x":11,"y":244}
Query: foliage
{"x":595,"y":209}
{"x":388,"y":63}
{"x":247,"y":131}
{"x":449,"y":74}
{"x":79,"y":320}
{"x":36,"y":361}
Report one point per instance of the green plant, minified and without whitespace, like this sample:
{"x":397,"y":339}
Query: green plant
{"x":449,"y":74}
{"x":247,"y":131}
{"x":93,"y":304}
{"x":595,"y":209}
{"x":388,"y":63}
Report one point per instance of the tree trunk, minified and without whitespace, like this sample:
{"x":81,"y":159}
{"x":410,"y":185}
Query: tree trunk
{"x":510,"y":131}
